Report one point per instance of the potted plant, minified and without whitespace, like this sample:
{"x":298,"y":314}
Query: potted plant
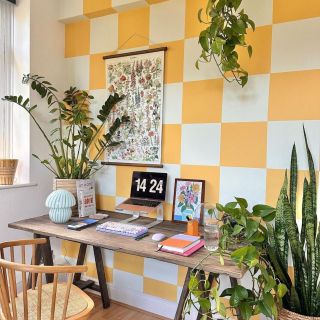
{"x":8,"y":169}
{"x":74,"y":134}
{"x":244,"y":239}
{"x":225,"y":32}
{"x":302,"y":299}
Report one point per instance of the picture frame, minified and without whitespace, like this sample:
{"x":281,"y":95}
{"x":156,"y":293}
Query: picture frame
{"x":139,"y":77}
{"x":188,"y":196}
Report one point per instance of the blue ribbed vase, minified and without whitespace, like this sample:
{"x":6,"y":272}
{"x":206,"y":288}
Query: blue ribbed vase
{"x":60,"y":203}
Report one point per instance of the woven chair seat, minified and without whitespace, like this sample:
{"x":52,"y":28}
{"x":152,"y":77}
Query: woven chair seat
{"x":78,"y":302}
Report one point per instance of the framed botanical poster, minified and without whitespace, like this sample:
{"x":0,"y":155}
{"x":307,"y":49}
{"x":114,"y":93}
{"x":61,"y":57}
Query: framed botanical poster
{"x":139,"y":77}
{"x":188,"y":196}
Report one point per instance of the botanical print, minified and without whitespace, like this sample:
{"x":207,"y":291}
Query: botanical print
{"x":187,"y":202}
{"x":140,"y":79}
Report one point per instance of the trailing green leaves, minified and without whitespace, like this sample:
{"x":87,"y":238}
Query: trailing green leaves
{"x":225,"y":33}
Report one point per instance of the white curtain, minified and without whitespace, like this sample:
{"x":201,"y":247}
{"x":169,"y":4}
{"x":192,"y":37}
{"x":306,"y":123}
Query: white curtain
{"x":6,"y":76}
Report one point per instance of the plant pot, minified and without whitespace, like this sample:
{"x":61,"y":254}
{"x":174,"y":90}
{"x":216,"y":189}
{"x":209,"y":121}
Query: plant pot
{"x":289,"y":315}
{"x":71,"y":186}
{"x":7,"y":171}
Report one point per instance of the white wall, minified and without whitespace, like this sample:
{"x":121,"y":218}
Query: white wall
{"x":46,"y":58}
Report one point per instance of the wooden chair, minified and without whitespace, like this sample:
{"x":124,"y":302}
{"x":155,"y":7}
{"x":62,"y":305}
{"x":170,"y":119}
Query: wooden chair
{"x":35,"y":300}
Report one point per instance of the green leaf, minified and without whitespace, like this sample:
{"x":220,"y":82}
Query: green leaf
{"x":250,"y":50}
{"x":242,"y":202}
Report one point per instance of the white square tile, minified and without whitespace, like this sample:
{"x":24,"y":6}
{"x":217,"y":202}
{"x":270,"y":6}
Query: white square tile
{"x":106,"y":181}
{"x":127,"y":280}
{"x":77,"y":72}
{"x":104,"y":34}
{"x":245,"y":183}
{"x":124,"y":5}
{"x":161,"y":271}
{"x":296,"y":45}
{"x":100,"y":97}
{"x":259,"y":11}
{"x":108,"y":256}
{"x":281,"y":137}
{"x":246,"y":104}
{"x":172,"y":104}
{"x":173,"y":171}
{"x":70,"y":10}
{"x":173,"y":14}
{"x":201,"y":144}
{"x":192,"y":51}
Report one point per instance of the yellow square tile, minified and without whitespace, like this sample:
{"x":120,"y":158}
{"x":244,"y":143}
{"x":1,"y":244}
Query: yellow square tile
{"x":92,"y":272}
{"x":294,"y":95}
{"x":210,"y":174}
{"x":289,"y":10}
{"x":124,"y":177}
{"x":260,"y":62}
{"x":97,"y":8}
{"x":97,"y":71}
{"x":105,"y":202}
{"x":155,"y":1}
{"x":275,"y":179}
{"x":244,"y":144}
{"x":160,"y":289}
{"x":202,"y":101}
{"x":77,"y":39}
{"x":171,"y":143}
{"x":174,"y":60}
{"x":193,"y":26}
{"x":93,"y":152}
{"x":70,"y":249}
{"x":167,"y":211}
{"x":128,"y":263}
{"x":182,"y":272}
{"x":134,"y":22}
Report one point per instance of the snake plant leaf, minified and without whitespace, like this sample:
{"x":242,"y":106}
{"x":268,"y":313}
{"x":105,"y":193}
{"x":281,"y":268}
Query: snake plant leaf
{"x":303,"y":226}
{"x":281,"y":236}
{"x":313,"y":180}
{"x":293,"y":179}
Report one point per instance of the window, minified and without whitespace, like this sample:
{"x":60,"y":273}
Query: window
{"x":6,"y":76}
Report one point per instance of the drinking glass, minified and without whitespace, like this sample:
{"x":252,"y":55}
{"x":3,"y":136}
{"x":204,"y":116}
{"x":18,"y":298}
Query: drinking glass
{"x":211,"y":227}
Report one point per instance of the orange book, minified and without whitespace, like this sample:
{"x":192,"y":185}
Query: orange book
{"x":179,"y":243}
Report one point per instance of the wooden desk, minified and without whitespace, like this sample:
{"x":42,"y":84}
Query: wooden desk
{"x":43,"y":227}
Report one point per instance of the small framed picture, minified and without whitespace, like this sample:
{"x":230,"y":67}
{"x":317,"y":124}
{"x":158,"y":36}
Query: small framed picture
{"x":188,"y":196}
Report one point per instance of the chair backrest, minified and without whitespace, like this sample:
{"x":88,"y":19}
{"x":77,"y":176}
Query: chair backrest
{"x":9,"y":269}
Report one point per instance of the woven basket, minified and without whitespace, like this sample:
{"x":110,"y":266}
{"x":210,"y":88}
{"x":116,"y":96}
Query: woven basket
{"x":7,"y":171}
{"x":71,"y":186}
{"x":289,"y":315}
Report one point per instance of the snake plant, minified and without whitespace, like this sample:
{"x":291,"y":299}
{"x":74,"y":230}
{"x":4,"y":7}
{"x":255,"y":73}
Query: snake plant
{"x":303,"y":295}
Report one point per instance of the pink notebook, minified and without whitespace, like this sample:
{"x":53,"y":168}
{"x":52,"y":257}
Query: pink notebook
{"x":189,"y":252}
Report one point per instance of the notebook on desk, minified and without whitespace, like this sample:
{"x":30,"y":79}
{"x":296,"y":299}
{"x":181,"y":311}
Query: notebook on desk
{"x":148,"y":191}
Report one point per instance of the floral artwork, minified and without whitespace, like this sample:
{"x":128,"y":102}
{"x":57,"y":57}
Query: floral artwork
{"x":140,"y":78}
{"x":189,"y":194}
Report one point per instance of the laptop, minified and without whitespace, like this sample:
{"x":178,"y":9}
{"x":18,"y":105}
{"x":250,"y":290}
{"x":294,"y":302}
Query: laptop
{"x":148,"y":191}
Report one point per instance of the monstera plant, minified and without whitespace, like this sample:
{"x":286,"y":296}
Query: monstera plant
{"x":74,"y":133}
{"x":226,"y":29}
{"x":303,"y":296}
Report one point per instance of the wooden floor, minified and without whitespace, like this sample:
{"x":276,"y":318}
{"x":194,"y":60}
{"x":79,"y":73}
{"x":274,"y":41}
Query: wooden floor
{"x":119,"y":311}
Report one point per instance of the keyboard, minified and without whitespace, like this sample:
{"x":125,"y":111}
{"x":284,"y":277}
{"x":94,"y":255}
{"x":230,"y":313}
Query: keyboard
{"x":129,"y":230}
{"x":141,"y":202}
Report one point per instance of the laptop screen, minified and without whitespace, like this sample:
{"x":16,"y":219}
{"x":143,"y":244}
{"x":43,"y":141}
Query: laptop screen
{"x":149,"y":185}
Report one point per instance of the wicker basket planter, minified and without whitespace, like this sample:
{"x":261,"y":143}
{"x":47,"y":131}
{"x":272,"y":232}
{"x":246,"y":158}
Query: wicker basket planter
{"x":69,"y":185}
{"x":289,"y":315}
{"x":7,"y":171}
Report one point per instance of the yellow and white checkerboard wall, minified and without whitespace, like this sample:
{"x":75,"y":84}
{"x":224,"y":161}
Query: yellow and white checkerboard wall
{"x":238,"y":140}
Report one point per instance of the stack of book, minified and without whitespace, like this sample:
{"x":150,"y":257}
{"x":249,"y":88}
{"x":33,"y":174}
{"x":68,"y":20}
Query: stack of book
{"x":181,"y":244}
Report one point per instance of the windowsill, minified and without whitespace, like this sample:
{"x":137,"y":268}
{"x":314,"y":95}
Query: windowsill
{"x":16,"y":186}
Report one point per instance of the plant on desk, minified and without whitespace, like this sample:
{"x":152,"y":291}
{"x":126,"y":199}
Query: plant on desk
{"x":244,"y":240}
{"x":75,"y":134}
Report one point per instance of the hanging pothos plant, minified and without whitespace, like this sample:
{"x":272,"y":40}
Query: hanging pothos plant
{"x":226,"y":31}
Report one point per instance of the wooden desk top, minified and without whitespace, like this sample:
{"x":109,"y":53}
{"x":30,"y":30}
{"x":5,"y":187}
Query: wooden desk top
{"x":144,"y":247}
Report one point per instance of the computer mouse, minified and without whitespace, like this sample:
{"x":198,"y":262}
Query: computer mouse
{"x":158,"y":237}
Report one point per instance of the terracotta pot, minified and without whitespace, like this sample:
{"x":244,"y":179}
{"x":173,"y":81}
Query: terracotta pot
{"x":71,"y":186}
{"x":193,"y":228}
{"x":289,"y":315}
{"x":7,"y":171}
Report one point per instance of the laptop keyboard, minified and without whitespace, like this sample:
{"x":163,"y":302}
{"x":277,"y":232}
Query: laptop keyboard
{"x":145,"y":203}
